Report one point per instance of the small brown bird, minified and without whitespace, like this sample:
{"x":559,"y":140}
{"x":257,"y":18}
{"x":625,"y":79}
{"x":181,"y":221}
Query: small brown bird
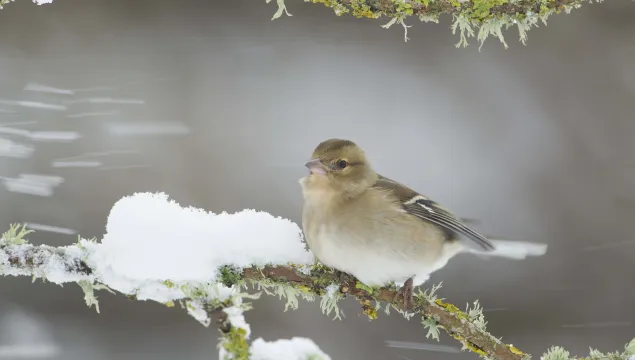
{"x":379,"y":230}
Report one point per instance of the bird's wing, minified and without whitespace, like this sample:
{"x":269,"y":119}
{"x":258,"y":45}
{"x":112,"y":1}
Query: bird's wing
{"x":428,"y":210}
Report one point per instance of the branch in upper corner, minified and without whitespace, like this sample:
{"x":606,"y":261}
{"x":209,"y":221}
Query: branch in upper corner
{"x":480,"y":18}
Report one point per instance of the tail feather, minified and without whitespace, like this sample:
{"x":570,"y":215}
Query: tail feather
{"x":517,"y":250}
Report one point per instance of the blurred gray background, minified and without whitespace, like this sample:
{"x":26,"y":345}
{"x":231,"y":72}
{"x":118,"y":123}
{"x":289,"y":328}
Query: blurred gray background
{"x":537,"y":142}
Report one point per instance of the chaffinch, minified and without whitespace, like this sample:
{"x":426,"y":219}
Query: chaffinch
{"x":379,"y":230}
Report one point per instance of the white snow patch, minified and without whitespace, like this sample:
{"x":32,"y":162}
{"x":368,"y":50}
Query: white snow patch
{"x":296,"y":348}
{"x":332,"y":289}
{"x":237,"y":319}
{"x":150,"y":237}
{"x":197,"y":311}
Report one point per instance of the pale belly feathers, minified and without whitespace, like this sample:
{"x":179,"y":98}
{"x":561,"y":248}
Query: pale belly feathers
{"x":372,"y":256}
{"x":380,"y":261}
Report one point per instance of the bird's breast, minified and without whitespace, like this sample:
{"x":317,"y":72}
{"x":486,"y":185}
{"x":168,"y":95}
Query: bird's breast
{"x":374,"y":260}
{"x":368,"y":239}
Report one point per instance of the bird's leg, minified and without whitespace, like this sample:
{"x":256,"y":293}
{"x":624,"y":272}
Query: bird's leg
{"x":406,"y":292}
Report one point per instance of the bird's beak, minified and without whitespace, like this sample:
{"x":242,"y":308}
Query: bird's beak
{"x":315,"y":167}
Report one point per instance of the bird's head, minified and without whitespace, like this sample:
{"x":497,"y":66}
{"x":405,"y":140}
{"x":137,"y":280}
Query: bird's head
{"x":339,"y":166}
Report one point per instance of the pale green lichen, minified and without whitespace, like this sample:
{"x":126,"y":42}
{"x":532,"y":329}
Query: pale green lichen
{"x":431,"y":294}
{"x":89,"y":292}
{"x":168,"y":284}
{"x":369,"y":289}
{"x":559,"y":353}
{"x":595,"y":354}
{"x":492,"y":27}
{"x":476,"y":316}
{"x":283,"y":291}
{"x":480,"y":18}
{"x":315,"y":357}
{"x":4,"y":2}
{"x":15,"y":235}
{"x":556,"y":353}
{"x":196,"y":309}
{"x":328,"y":304}
{"x":432,"y":326}
{"x":282,"y":8}
{"x":83,"y":243}
{"x":234,"y":345}
{"x":400,"y":20}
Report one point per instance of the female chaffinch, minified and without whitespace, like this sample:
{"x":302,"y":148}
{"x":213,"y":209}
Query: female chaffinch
{"x":379,"y":230}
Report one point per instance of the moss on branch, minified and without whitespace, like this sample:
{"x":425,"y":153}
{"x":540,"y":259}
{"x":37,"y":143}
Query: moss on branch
{"x":19,"y":258}
{"x":480,"y":18}
{"x":233,"y":339}
{"x":455,"y":322}
{"x":471,"y":18}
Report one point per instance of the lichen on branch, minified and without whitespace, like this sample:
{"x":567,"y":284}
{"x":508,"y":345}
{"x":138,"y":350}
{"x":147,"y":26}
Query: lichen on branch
{"x":471,"y":18}
{"x":223,"y":299}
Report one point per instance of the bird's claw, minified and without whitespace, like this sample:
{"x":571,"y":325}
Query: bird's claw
{"x":406,"y":292}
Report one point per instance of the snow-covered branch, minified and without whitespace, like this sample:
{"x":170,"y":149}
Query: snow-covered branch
{"x":208,"y":263}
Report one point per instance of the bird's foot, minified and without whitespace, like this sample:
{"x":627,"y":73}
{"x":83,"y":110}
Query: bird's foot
{"x":406,"y":292}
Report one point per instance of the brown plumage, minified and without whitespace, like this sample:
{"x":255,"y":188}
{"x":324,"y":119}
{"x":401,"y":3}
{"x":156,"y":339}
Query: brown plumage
{"x":377,"y":229}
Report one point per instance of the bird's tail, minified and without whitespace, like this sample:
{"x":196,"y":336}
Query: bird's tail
{"x":510,"y":249}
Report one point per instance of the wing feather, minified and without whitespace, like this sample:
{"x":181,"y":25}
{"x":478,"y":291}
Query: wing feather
{"x":428,"y":210}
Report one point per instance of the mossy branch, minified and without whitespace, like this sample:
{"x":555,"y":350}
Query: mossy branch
{"x":233,"y":338}
{"x":19,"y":258}
{"x":480,"y":18}
{"x":471,"y":18}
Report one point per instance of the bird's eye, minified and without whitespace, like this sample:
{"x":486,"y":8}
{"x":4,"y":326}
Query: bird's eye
{"x":342,"y":164}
